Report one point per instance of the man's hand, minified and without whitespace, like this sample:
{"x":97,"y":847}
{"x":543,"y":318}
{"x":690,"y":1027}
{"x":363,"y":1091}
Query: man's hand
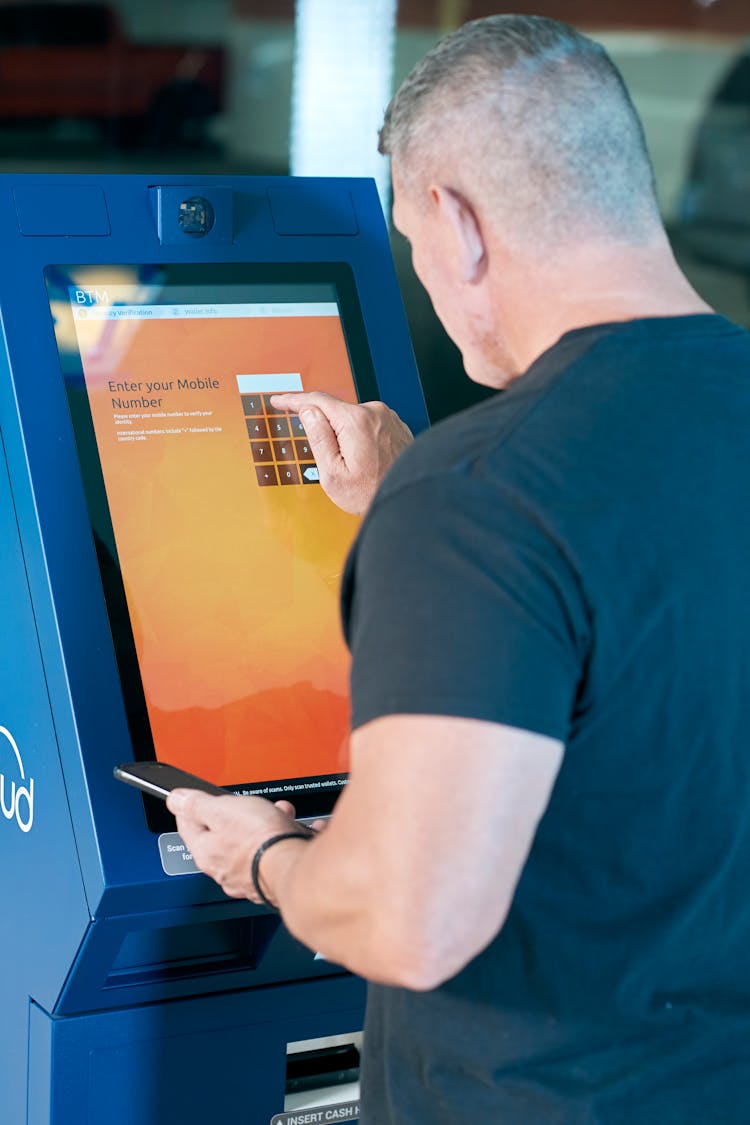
{"x":353,"y":445}
{"x":224,"y":833}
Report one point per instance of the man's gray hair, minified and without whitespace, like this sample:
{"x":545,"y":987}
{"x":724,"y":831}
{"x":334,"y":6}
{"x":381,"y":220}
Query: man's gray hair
{"x":534,"y":115}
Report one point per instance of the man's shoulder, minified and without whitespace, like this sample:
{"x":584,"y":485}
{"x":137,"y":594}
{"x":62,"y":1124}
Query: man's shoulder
{"x":471,"y":436}
{"x":449,"y":442}
{"x":563,"y":410}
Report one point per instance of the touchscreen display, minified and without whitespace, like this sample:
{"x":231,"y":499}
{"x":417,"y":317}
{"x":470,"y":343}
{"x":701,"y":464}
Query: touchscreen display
{"x":221,"y":556}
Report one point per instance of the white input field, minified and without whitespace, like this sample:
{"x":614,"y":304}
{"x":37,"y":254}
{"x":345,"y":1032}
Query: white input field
{"x":272,"y":383}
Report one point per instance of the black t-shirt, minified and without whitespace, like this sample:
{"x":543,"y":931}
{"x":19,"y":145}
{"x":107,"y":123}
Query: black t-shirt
{"x":572,"y":557}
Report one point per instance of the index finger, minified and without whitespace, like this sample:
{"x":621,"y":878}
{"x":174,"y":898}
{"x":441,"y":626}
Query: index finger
{"x":191,"y":803}
{"x":299,"y":400}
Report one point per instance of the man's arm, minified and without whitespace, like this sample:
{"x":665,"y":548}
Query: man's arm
{"x":354,"y":445}
{"x":416,"y":871}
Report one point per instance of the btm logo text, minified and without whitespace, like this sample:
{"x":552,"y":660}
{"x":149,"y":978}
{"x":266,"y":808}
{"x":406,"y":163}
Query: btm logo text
{"x":88,"y":297}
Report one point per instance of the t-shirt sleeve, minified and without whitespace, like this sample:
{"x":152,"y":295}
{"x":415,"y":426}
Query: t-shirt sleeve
{"x":457,"y":601}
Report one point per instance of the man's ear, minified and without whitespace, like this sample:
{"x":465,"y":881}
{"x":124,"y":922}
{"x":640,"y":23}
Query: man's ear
{"x":456,"y":210}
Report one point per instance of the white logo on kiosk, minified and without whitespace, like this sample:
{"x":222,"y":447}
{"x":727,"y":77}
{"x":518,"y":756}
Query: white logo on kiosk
{"x":16,"y":800}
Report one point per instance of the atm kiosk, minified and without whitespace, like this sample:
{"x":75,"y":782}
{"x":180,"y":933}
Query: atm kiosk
{"x":169,"y":571}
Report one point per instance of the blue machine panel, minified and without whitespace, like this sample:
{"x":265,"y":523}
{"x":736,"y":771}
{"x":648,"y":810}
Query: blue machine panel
{"x":109,"y":943}
{"x":71,"y":210}
{"x":218,"y":1059}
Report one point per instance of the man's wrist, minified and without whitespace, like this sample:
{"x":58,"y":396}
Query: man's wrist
{"x":275,"y":854}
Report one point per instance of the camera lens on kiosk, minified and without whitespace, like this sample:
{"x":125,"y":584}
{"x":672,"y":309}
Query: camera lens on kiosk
{"x":195,"y":216}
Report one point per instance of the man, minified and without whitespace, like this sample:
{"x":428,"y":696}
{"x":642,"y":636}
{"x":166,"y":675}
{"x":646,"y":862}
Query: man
{"x":541,"y":858}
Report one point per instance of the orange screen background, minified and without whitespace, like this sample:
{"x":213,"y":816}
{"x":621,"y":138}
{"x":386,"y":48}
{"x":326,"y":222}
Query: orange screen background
{"x":232,"y":588}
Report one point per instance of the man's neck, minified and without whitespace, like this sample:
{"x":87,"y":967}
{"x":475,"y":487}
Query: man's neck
{"x":588,"y":285}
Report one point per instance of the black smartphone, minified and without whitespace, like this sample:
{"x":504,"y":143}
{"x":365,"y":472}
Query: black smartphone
{"x":159,"y":779}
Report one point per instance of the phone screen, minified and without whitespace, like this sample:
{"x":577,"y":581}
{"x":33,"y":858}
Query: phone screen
{"x":220,"y":554}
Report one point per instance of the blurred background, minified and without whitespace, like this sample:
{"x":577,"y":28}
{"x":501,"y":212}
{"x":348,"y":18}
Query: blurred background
{"x":274,"y":86}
